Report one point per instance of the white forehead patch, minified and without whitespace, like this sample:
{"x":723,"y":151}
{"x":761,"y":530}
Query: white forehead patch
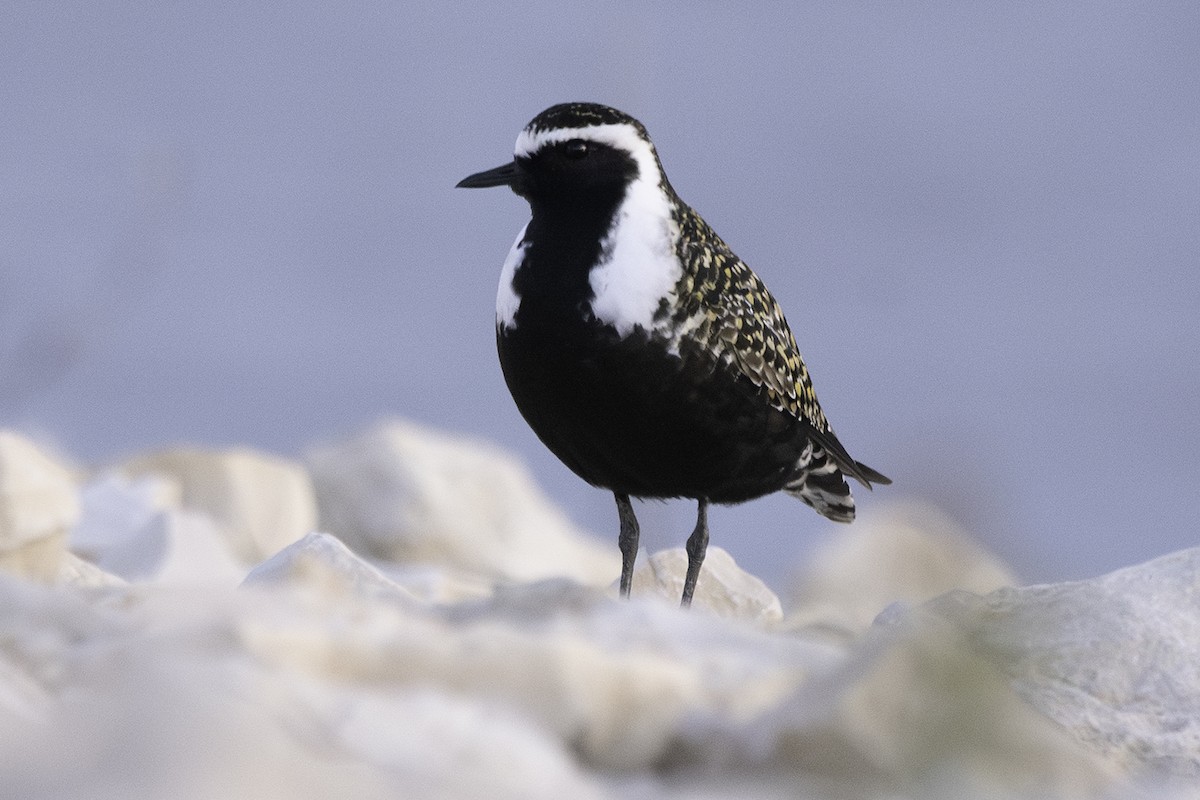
{"x":507,"y":299}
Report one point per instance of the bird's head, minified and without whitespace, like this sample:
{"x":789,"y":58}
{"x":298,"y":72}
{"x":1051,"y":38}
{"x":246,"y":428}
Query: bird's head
{"x":576,"y":153}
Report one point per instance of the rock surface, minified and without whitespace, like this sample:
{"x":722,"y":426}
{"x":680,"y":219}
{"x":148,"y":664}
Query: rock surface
{"x":261,"y":502}
{"x":38,"y":506}
{"x":902,"y":552}
{"x":402,"y":493}
{"x":134,"y":529}
{"x":1113,"y":660}
{"x":326,"y":674}
{"x":723,"y":588}
{"x":322,"y":563}
{"x":352,"y":685}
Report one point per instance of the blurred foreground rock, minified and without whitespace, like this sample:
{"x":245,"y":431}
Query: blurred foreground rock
{"x":142,"y":672}
{"x":905,"y":552}
{"x":38,"y":506}
{"x":1114,"y":660}
{"x":340,"y":681}
{"x":322,"y":563}
{"x":402,"y":493}
{"x":261,"y":503}
{"x":135,"y":529}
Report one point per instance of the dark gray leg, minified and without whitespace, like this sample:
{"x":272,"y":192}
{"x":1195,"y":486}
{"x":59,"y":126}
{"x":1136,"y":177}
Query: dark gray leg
{"x":627,"y":540}
{"x":697,"y":543}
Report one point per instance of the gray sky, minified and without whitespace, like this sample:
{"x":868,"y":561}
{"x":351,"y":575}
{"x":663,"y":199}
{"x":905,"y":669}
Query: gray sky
{"x":225,"y":224}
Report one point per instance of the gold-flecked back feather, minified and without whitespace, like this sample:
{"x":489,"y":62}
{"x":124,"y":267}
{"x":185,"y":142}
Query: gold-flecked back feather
{"x":727,"y":308}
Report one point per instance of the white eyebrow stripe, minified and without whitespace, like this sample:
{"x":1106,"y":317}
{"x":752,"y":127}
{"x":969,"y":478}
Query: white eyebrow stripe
{"x":620,"y":135}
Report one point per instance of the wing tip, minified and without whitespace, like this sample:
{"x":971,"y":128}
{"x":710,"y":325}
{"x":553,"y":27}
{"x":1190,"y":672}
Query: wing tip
{"x":869,"y":477}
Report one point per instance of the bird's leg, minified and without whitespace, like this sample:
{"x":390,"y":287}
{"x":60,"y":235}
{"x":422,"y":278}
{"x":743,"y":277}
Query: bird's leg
{"x":697,"y":544}
{"x":627,"y":540}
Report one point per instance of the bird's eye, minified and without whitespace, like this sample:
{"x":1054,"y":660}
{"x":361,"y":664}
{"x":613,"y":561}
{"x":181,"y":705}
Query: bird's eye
{"x":575,"y":149}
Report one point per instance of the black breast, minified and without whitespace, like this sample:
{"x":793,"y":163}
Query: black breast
{"x":628,"y":415}
{"x":625,"y":413}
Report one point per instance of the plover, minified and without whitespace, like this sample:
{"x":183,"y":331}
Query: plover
{"x":641,"y":350}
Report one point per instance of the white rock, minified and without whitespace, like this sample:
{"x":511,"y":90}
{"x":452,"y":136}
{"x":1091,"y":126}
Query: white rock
{"x":75,"y":571}
{"x":438,"y":584}
{"x":125,"y":701}
{"x":447,"y":742}
{"x":195,"y":551}
{"x":723,"y":587}
{"x":555,"y":689}
{"x":38,"y":505}
{"x":39,"y":560}
{"x":118,"y":528}
{"x":914,"y":712}
{"x":131,"y":529}
{"x":615,"y":681}
{"x":327,"y":677}
{"x":262,"y":503}
{"x":38,"y":496}
{"x":399,"y":492}
{"x":901,"y":552}
{"x":321,"y":562}
{"x":1115,"y":660}
{"x":114,"y":710}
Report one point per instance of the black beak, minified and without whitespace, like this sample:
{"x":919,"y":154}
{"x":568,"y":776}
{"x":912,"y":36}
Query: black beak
{"x":500,"y":176}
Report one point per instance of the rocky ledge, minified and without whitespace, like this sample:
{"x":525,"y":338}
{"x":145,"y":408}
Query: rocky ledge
{"x":404,"y":614}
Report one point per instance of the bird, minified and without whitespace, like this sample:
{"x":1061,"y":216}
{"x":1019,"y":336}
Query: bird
{"x":640,"y":349}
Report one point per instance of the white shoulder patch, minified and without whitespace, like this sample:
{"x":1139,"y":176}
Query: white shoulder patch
{"x":507,"y":299}
{"x":639,"y":266}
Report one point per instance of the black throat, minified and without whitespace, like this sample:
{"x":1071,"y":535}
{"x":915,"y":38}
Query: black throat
{"x":563,"y":242}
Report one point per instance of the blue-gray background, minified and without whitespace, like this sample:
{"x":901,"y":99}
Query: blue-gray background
{"x":226,"y":223}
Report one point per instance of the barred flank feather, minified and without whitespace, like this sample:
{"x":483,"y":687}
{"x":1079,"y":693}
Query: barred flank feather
{"x":820,"y":484}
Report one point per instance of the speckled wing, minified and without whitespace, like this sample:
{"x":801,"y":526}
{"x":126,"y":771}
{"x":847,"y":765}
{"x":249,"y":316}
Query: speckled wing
{"x":728,"y":308}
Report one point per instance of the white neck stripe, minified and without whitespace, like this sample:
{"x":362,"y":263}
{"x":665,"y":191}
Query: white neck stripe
{"x":638,"y":266}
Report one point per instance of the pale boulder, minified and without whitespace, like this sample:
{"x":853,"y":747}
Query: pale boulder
{"x":614,"y":682}
{"x":261,"y":503}
{"x":1114,"y":660}
{"x":438,"y":584}
{"x":905,"y":552}
{"x":133,"y":528}
{"x":323,"y":564}
{"x":38,"y":505}
{"x":914,"y":711}
{"x":119,"y":529}
{"x":403,"y":493}
{"x":195,"y":551}
{"x":555,"y":689}
{"x":723,"y":588}
{"x":80,"y":573}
